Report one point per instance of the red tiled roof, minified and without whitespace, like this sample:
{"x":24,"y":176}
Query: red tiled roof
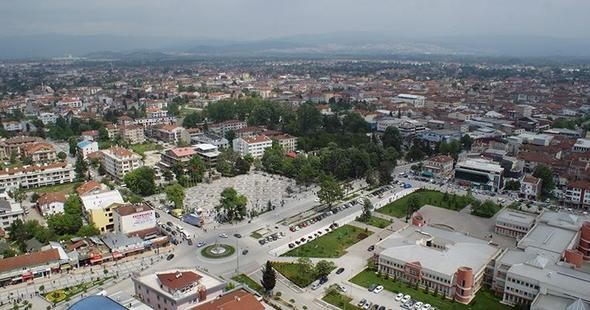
{"x":237,"y":300}
{"x":579,"y":184}
{"x":441,"y":159}
{"x":183,"y":151}
{"x":179,"y":279}
{"x":32,"y":168}
{"x":256,"y":139}
{"x":87,"y":187}
{"x":51,"y":197}
{"x":32,"y":259}
{"x":36,"y":146}
{"x":129,"y":209}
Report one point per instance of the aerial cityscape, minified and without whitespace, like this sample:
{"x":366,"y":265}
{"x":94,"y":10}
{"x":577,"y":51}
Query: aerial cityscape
{"x":154,"y":161}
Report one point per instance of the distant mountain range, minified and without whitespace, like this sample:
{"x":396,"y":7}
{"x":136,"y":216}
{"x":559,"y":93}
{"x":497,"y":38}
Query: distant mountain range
{"x":132,"y":47}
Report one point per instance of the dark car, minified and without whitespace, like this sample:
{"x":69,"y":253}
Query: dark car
{"x":382,"y":308}
{"x":372,"y":287}
{"x":169,"y":224}
{"x":190,"y":242}
{"x":291,"y":245}
{"x":237,"y":235}
{"x":340,"y":270}
{"x":157,"y":214}
{"x":170,"y":257}
{"x":371,"y":248}
{"x":244,"y":252}
{"x":323,"y":280}
{"x":262,"y":241}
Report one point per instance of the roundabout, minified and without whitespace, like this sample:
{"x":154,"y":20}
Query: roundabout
{"x":218,"y":251}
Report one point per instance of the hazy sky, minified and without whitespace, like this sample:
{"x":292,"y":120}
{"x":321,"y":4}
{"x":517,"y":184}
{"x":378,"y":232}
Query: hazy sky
{"x":256,"y":19}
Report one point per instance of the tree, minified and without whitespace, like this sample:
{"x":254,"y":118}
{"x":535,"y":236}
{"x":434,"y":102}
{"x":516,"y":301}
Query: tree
{"x":141,"y":181}
{"x":13,"y":156}
{"x":392,"y":138}
{"x":232,"y":205}
{"x":269,"y":277}
{"x":62,"y":155}
{"x":242,"y":166}
{"x":323,"y":268}
{"x":305,"y":265}
{"x":413,"y":205}
{"x":547,"y":183}
{"x":486,"y":209}
{"x":230,"y":135}
{"x":168,"y":176}
{"x":64,"y":224}
{"x":330,"y":191}
{"x":367,"y":207}
{"x":73,"y":144}
{"x":512,"y":185}
{"x":18,"y":194}
{"x":88,"y":230}
{"x":175,"y":193}
{"x":467,"y":142}
{"x":309,"y":118}
{"x":81,"y":168}
{"x":192,"y":120}
{"x":73,"y":205}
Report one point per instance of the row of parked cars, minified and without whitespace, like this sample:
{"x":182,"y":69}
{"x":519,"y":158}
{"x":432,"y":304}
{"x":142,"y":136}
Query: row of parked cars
{"x":271,"y":238}
{"x":323,"y":215}
{"x":406,"y":301}
{"x":311,"y":237}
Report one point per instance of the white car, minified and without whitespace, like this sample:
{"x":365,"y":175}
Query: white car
{"x":399,"y":297}
{"x":426,"y":307}
{"x":341,"y":288}
{"x":406,"y":299}
{"x":367,"y":305}
{"x":378,"y":289}
{"x":418,"y":305}
{"x":223,"y":235}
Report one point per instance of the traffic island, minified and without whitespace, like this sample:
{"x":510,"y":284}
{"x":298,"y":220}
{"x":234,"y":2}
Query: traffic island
{"x":218,"y":251}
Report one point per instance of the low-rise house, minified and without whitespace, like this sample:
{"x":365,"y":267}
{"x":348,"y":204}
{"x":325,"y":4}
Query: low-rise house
{"x":10,"y":211}
{"x":170,"y":134}
{"x":25,"y":268}
{"x":51,"y":203}
{"x":90,"y":187}
{"x":440,"y":166}
{"x":177,"y":156}
{"x":12,"y":126}
{"x":578,"y":194}
{"x":132,"y":218}
{"x":99,"y":208}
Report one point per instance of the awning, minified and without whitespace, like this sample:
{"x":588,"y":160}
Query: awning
{"x":117,"y":254}
{"x":66,"y":266}
{"x":27,"y":275}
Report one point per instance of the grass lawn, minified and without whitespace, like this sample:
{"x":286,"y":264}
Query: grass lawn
{"x":483,"y":300}
{"x":332,"y":244}
{"x":435,"y":198}
{"x":66,"y":188}
{"x":244,"y":279}
{"x":339,"y":300}
{"x":378,"y":222}
{"x":145,"y":147}
{"x":69,"y":292}
{"x":292,"y":271}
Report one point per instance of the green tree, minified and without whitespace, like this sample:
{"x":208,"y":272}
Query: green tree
{"x":269,"y":277}
{"x":467,"y":142}
{"x":88,"y":230}
{"x":367,"y":207}
{"x":103,"y":134}
{"x":64,"y":224}
{"x":512,"y":185}
{"x":13,"y":157}
{"x":62,"y":155}
{"x":309,"y":118}
{"x":230,"y":135}
{"x":232,"y":205}
{"x":176,"y":194}
{"x":73,"y":144}
{"x":141,"y":181}
{"x":81,"y":168}
{"x":330,"y":191}
{"x":73,"y":205}
{"x":242,"y":166}
{"x":323,"y":268}
{"x":192,"y":120}
{"x":486,"y":209}
{"x":547,"y":182}
{"x":392,"y":138}
{"x":305,"y":265}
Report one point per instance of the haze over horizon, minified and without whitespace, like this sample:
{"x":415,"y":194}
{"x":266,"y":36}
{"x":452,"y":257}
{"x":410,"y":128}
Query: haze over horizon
{"x":238,"y":20}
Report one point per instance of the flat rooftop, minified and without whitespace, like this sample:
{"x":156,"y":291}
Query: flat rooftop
{"x":458,"y":249}
{"x":512,"y":216}
{"x":480,"y":164}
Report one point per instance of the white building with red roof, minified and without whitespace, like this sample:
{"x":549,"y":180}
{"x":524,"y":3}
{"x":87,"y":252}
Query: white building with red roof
{"x":254,"y":146}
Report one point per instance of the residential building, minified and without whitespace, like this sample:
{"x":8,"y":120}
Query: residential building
{"x":51,"y":203}
{"x":15,"y":144}
{"x":47,"y":118}
{"x":210,"y":138}
{"x":223,"y":127}
{"x":90,"y":188}
{"x":530,"y":187}
{"x":209,"y":153}
{"x":12,"y":126}
{"x":91,"y":135}
{"x":131,"y":218}
{"x":99,"y":208}
{"x":39,"y":152}
{"x":121,"y":245}
{"x":36,"y":175}
{"x":170,"y":133}
{"x":514,"y":223}
{"x":254,"y":146}
{"x":177,"y":289}
{"x":479,"y":173}
{"x":10,"y":211}
{"x":578,"y":194}
{"x":286,"y":141}
{"x":451,"y":262}
{"x":440,"y":166}
{"x":177,"y":156}
{"x":86,"y":147}
{"x":118,"y":161}
{"x":133,"y":133}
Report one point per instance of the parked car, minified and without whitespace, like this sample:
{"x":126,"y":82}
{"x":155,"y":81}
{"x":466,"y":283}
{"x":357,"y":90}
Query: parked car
{"x":372,"y":287}
{"x":340,"y":270}
{"x":223,"y":236}
{"x":244,"y":252}
{"x":371,"y":248}
{"x":418,"y":305}
{"x":426,"y":307}
{"x":399,"y":297}
{"x":378,"y":289}
{"x":201,"y":244}
{"x":315,"y":285}
{"x":406,"y":298}
{"x":170,"y":257}
{"x":237,"y":235}
{"x":362,"y":302}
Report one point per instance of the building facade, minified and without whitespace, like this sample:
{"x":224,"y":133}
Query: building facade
{"x":36,"y":176}
{"x":253,"y":146}
{"x":118,"y":162}
{"x":480,"y":173}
